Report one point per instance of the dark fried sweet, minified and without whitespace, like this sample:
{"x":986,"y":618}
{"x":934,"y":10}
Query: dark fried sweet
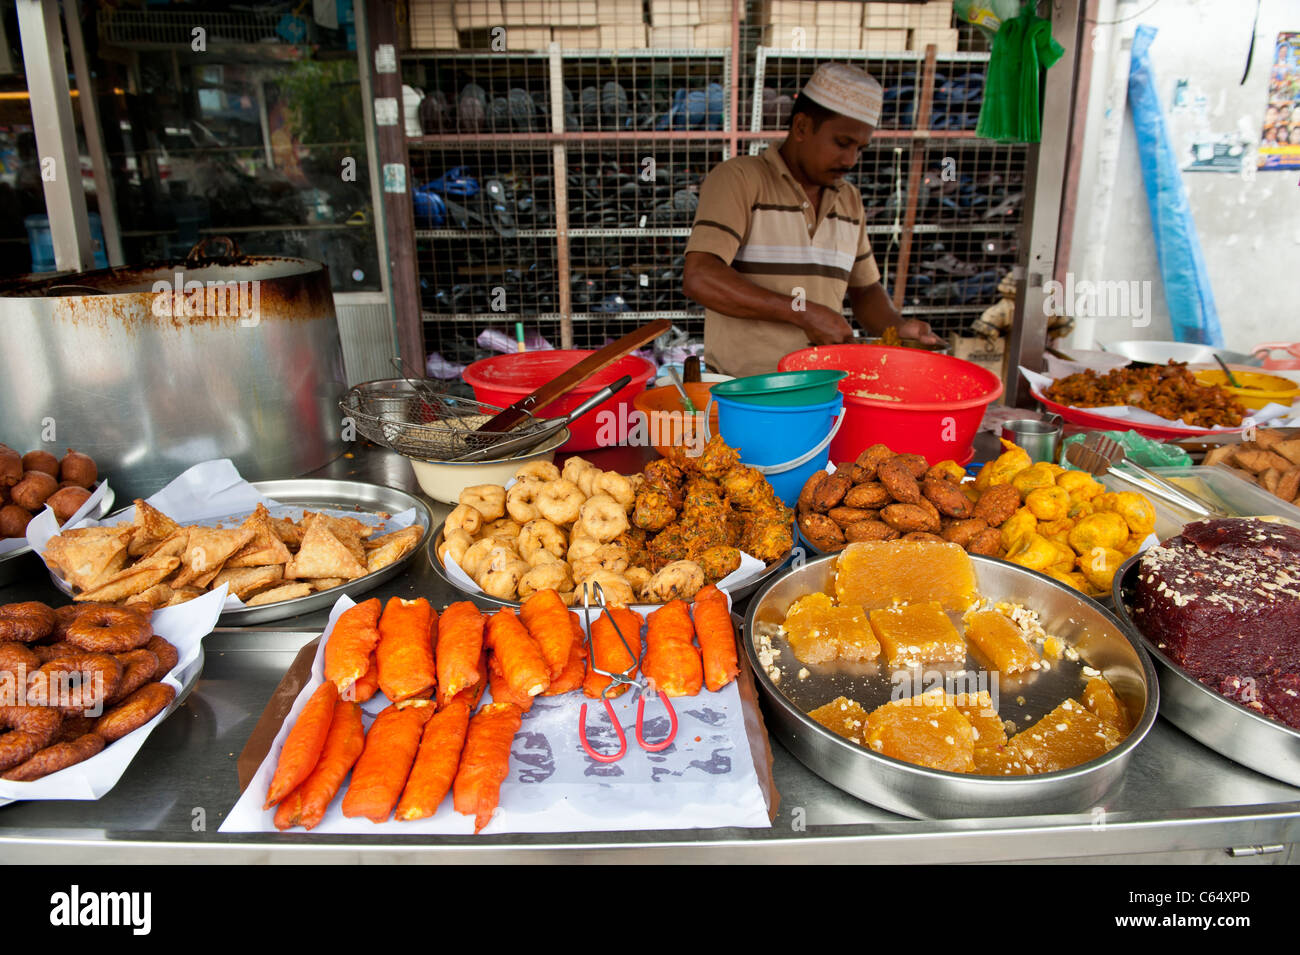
{"x":26,"y":622}
{"x":56,"y":757}
{"x":844,"y":516}
{"x":986,"y":542}
{"x":831,"y":491}
{"x":75,"y":682}
{"x":136,"y":710}
{"x":869,"y":495}
{"x":138,"y":668}
{"x":899,"y":481}
{"x":822,"y":532}
{"x":31,"y":728}
{"x":719,"y":561}
{"x":906,"y":518}
{"x":963,"y":532}
{"x":923,"y":536}
{"x":947,"y":497}
{"x":871,"y":459}
{"x":997,"y":504}
{"x":916,"y":464}
{"x":869,"y":531}
{"x":109,"y":630}
{"x":809,"y":488}
{"x":653,"y":510}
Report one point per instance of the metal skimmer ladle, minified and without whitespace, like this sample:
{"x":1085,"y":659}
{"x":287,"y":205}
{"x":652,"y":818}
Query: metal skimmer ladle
{"x":1099,"y":455}
{"x":624,"y":678}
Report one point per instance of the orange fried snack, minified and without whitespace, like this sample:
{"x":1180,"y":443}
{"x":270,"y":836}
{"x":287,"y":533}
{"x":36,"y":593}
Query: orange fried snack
{"x":435,"y":763}
{"x":306,"y":805}
{"x":500,"y":686}
{"x":355,"y":636}
{"x":460,"y":644}
{"x":367,"y":686}
{"x":609,"y":653}
{"x":547,"y":619}
{"x":717,"y":637}
{"x":485,"y":761}
{"x":474,"y":692}
{"x":522,"y":663}
{"x":405,"y":651}
{"x":672,"y":664}
{"x":302,"y":747}
{"x":381,"y":772}
{"x":570,"y":677}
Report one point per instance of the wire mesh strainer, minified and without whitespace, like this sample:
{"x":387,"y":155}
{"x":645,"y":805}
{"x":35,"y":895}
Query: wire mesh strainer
{"x":425,"y":424}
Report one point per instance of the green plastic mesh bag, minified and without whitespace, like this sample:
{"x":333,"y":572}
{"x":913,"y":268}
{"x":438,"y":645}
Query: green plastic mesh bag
{"x":1022,"y":48}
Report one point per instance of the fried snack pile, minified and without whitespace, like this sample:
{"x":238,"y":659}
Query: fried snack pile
{"x":649,"y":538}
{"x":156,"y":562}
{"x":74,"y":680}
{"x":438,"y":739}
{"x":1062,"y":523}
{"x":960,"y":733}
{"x":1169,"y":391}
{"x":29,"y":482}
{"x":1272,"y":461}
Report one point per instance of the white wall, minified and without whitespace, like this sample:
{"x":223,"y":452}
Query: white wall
{"x":1249,"y":227}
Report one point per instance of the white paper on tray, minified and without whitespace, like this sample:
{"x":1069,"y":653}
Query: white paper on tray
{"x":205,"y":494}
{"x":553,"y":786}
{"x":1127,"y":414}
{"x":750,"y":569}
{"x":184,"y":626}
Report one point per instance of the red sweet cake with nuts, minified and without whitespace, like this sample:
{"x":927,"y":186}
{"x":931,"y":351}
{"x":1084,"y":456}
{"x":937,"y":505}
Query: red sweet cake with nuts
{"x":1222,"y":600}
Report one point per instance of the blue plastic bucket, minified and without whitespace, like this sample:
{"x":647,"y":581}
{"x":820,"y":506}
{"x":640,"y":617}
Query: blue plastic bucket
{"x":787,"y":444}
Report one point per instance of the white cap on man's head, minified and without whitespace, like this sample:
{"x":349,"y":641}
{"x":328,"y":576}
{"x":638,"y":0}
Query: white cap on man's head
{"x":846,"y":90}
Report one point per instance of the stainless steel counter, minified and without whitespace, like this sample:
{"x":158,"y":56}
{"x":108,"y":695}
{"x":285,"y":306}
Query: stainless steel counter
{"x":1178,"y":802}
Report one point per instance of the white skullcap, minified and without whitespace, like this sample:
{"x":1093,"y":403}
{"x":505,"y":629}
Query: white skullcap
{"x":846,"y":90}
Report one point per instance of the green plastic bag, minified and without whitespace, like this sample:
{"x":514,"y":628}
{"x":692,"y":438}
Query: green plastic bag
{"x":1022,"y":48}
{"x":1146,"y":452}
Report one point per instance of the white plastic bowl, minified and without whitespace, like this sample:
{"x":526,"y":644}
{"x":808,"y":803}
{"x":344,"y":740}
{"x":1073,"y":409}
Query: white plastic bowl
{"x":444,"y":480}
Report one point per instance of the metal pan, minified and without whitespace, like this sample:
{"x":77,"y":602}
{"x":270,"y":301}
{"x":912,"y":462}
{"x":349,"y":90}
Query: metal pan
{"x":920,"y":792}
{"x":320,"y":494}
{"x":11,"y":564}
{"x":1227,"y":727}
{"x":737,"y":595}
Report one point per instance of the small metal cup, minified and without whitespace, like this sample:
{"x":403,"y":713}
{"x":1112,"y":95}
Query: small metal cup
{"x":1040,"y":439}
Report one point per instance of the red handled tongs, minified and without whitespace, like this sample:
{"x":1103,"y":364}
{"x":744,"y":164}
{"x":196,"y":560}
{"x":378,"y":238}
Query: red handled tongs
{"x":625,"y":678}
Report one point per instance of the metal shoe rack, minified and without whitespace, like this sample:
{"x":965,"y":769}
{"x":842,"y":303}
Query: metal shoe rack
{"x":596,"y":174}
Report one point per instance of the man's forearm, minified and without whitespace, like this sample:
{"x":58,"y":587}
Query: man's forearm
{"x":717,"y":286}
{"x":873,"y":309}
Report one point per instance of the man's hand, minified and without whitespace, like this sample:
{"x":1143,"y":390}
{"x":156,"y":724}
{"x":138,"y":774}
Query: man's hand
{"x":915,"y":328}
{"x":825,"y":326}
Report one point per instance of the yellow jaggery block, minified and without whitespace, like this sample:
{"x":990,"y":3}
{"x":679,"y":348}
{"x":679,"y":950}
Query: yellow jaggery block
{"x":1100,"y":699}
{"x":918,"y":633}
{"x":1066,"y":737}
{"x":999,"y":761}
{"x":874,"y":574}
{"x":819,"y":631}
{"x":999,"y":639}
{"x":843,"y":717}
{"x":933,"y":733}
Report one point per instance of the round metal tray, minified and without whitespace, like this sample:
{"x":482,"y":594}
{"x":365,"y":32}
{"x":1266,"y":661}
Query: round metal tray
{"x":1225,"y":726}
{"x":318,"y":494}
{"x":920,"y":792}
{"x":11,"y":563}
{"x":737,"y":595}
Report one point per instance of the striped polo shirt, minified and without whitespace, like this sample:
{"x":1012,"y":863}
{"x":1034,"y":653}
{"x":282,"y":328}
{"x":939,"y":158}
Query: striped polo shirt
{"x":756,"y":218}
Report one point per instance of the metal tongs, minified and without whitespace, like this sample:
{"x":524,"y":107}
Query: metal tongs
{"x":1099,"y":455}
{"x":638,"y":685}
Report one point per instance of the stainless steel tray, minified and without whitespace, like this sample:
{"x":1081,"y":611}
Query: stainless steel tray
{"x":322,"y":493}
{"x":1227,"y":727}
{"x":928,"y":793}
{"x":11,"y":563}
{"x":737,"y":595}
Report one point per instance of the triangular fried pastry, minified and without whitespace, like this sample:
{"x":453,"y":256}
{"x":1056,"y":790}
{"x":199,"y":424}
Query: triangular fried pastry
{"x":392,"y":547}
{"x":322,"y":555}
{"x":265,"y":548}
{"x":246,"y":581}
{"x":132,"y":580}
{"x":151,"y":527}
{"x":87,"y":555}
{"x":207,"y":551}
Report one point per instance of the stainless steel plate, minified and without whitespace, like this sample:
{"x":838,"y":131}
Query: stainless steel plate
{"x":1228,"y":728}
{"x":11,"y":563}
{"x":737,"y":595}
{"x":318,"y":494}
{"x":928,"y":793}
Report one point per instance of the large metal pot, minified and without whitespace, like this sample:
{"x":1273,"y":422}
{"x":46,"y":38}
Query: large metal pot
{"x":149,"y":377}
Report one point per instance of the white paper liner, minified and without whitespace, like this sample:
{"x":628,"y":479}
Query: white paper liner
{"x":1127,"y":414}
{"x":184,"y":626}
{"x":11,"y":544}
{"x":208,"y":493}
{"x":705,"y":779}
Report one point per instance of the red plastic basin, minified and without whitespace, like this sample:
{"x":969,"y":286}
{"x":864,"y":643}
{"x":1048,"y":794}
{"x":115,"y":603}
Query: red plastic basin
{"x":914,"y":401}
{"x":503,"y":379}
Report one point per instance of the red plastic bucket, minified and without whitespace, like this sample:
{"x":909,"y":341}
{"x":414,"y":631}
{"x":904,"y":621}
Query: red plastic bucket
{"x":915,"y":401}
{"x":503,"y":379}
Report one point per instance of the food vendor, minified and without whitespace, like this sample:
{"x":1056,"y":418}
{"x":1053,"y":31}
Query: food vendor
{"x":779,"y":237}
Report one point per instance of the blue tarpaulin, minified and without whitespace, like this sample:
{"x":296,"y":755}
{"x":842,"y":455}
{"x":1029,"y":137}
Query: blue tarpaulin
{"x":1178,"y":248}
